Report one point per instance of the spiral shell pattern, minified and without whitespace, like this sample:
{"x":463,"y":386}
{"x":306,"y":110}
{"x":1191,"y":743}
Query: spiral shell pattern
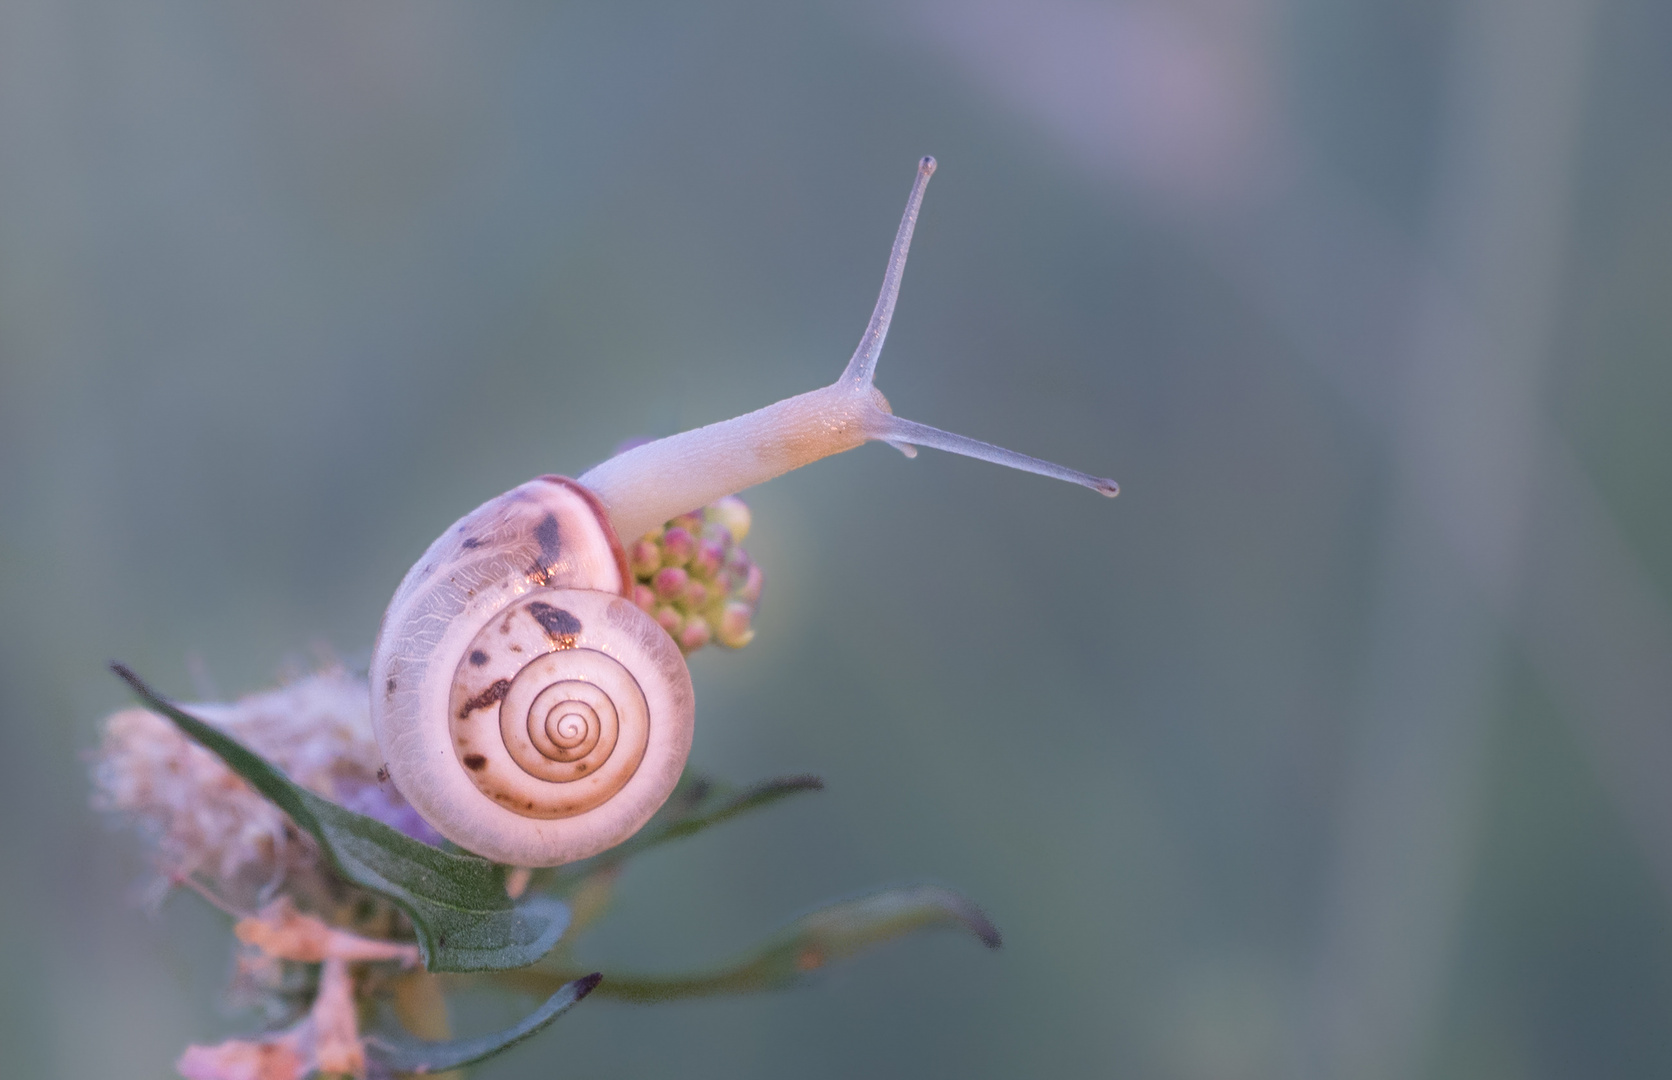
{"x":543,"y":727}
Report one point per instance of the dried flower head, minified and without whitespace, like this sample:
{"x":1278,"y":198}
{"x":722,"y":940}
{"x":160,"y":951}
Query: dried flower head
{"x":209,"y":824}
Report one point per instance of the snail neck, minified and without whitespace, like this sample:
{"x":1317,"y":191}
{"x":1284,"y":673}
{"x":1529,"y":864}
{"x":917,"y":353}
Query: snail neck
{"x":649,"y":484}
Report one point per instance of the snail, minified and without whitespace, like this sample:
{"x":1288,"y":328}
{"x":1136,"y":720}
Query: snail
{"x":524,"y":705}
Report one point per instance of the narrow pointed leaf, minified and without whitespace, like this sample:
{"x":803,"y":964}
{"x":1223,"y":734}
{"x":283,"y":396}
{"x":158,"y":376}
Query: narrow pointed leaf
{"x":406,"y":1054}
{"x":810,"y":943}
{"x":464,"y":919}
{"x":696,"y":803}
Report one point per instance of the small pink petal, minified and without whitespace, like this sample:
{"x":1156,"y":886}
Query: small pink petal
{"x":237,"y":1059}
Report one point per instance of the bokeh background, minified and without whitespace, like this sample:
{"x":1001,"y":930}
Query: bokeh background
{"x":1336,"y":747}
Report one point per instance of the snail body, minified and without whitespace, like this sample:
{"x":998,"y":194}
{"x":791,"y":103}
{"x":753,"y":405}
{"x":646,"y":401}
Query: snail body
{"x":529,"y":710}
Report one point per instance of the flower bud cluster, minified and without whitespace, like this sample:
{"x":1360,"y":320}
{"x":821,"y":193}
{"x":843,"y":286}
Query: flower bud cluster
{"x":696,"y":580}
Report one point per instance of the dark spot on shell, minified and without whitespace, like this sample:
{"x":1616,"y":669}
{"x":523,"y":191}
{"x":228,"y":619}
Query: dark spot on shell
{"x":554,"y":620}
{"x":516,"y":648}
{"x":382,"y":773}
{"x":494,"y":693}
{"x":475,"y":762}
{"x":478,"y":657}
{"x":473,"y":542}
{"x":389,"y":686}
{"x":549,"y":537}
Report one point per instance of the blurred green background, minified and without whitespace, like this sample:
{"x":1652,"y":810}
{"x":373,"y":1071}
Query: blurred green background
{"x":1337,"y":746}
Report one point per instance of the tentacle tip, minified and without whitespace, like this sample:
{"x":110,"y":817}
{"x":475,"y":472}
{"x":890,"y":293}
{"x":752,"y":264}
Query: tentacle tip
{"x":1106,"y":487}
{"x":926,"y":165}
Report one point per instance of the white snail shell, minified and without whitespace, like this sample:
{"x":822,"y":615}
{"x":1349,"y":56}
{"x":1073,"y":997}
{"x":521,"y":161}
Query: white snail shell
{"x":524,"y":707}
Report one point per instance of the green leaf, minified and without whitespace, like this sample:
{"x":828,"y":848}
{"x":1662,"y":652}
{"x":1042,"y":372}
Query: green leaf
{"x":811,"y":942}
{"x":406,"y":1054}
{"x":464,"y":919}
{"x":696,"y":803}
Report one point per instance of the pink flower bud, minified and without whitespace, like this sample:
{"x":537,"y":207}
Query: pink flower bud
{"x":694,"y":634}
{"x":678,"y":545}
{"x":734,"y":631}
{"x":696,"y":594}
{"x":709,"y":558}
{"x":668,"y":617}
{"x":645,"y":597}
{"x":669,"y":582}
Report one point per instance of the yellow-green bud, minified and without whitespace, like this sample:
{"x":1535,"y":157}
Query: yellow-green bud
{"x":733,"y":513}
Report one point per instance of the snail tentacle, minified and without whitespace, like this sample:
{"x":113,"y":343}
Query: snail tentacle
{"x":862,"y":368}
